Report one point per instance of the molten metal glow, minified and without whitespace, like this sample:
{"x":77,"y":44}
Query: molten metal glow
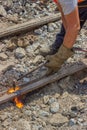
{"x":17,"y":100}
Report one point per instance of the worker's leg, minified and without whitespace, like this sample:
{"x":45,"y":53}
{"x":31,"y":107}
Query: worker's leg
{"x":60,"y":36}
{"x":83,"y":17}
{"x":55,"y":61}
{"x":59,"y":39}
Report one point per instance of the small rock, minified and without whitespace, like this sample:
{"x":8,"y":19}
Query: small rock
{"x":20,"y":52}
{"x":3,"y":117}
{"x":58,"y":120}
{"x":33,"y":108}
{"x":57,"y":95}
{"x":8,"y":4}
{"x":46,"y":99}
{"x":69,"y":114}
{"x":43,"y":48}
{"x":54,"y":25}
{"x":44,"y":27}
{"x":13,"y":17}
{"x":51,"y":100}
{"x":43,"y":113}
{"x":36,"y":46}
{"x":7,"y":122}
{"x":30,"y":51}
{"x":3,"y":11}
{"x":22,"y":42}
{"x":80,"y":121}
{"x":38,"y":31}
{"x":54,"y":108}
{"x":72,"y":122}
{"x":28,"y":112}
{"x":22,"y":124}
{"x":15,"y":118}
{"x":50,"y":27}
{"x":26,"y":79}
{"x":3,"y":56}
{"x":80,"y":107}
{"x":1,"y":46}
{"x":11,"y":46}
{"x":6,"y":66}
{"x":37,"y":59}
{"x":37,"y":127}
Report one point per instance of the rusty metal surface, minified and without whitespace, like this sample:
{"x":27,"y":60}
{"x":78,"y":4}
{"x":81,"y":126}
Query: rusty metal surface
{"x":71,"y":69}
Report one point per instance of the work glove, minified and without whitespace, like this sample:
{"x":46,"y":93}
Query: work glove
{"x":55,"y":61}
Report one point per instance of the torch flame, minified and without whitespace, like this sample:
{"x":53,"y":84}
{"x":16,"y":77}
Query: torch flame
{"x":17,"y":100}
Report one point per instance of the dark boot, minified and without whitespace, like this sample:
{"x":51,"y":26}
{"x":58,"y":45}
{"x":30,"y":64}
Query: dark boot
{"x":59,"y":38}
{"x":44,"y":51}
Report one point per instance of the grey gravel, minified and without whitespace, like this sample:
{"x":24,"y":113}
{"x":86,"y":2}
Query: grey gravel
{"x":43,"y":113}
{"x":54,"y":108}
{"x":72,"y":122}
{"x":20,"y":53}
{"x":60,"y":105}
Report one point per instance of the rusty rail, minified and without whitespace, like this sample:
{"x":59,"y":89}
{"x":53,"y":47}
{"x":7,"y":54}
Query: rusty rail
{"x":69,"y":70}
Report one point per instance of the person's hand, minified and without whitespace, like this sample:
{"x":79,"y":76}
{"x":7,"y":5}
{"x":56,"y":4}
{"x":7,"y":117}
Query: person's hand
{"x":55,"y":61}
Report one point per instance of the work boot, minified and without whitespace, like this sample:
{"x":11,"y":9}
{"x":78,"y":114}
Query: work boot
{"x":55,"y":61}
{"x":48,"y":50}
{"x":44,"y":51}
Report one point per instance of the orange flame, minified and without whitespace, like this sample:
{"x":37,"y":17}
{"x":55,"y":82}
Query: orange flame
{"x":17,"y":100}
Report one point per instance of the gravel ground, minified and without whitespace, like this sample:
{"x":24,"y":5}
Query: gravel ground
{"x":64,"y":105}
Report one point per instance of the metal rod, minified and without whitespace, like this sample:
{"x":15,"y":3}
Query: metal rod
{"x":79,"y":49}
{"x":32,"y":71}
{"x":14,"y":84}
